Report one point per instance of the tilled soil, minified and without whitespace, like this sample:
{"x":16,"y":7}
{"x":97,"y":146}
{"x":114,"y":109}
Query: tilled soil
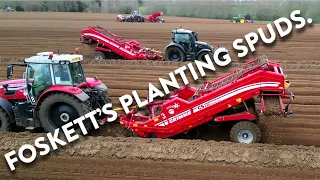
{"x":97,"y":168}
{"x":24,"y":34}
{"x":253,"y":155}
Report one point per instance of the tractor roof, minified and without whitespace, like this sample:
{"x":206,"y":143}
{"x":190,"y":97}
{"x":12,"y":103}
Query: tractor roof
{"x":181,"y":31}
{"x":51,"y":58}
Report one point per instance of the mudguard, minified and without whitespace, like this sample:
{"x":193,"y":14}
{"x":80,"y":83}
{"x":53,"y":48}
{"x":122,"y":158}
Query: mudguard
{"x":221,"y":47}
{"x":175,"y":44}
{"x":82,"y":96}
{"x":202,"y":50}
{"x":101,"y":86}
{"x":77,"y":92}
{"x":7,"y":107}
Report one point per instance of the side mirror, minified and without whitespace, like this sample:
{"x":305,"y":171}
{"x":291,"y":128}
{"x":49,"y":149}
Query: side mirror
{"x":9,"y":71}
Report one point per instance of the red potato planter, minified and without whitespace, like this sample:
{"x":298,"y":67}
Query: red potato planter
{"x":109,"y":45}
{"x":227,"y":99}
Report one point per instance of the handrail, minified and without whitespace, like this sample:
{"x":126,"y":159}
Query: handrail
{"x":233,"y":76}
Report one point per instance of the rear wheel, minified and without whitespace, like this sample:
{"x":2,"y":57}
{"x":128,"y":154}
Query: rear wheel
{"x":245,"y":132}
{"x":242,"y":20}
{"x":175,"y":54}
{"x":139,"y":19}
{"x":99,"y":55}
{"x":59,"y":109}
{"x":201,"y":56}
{"x":5,"y":124}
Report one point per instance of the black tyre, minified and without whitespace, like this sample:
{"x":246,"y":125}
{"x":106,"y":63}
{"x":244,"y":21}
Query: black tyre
{"x":138,"y":19}
{"x":142,"y":19}
{"x":100,"y":55}
{"x":174,"y":54}
{"x":59,"y":109}
{"x":245,"y":132}
{"x":5,"y":124}
{"x":201,"y":56}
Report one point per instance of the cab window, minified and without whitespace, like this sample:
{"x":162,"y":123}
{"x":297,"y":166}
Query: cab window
{"x":62,"y":74}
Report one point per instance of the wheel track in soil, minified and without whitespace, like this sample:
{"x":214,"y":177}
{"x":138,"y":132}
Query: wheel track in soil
{"x":194,"y":151}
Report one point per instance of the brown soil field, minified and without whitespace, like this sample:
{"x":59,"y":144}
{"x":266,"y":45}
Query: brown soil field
{"x":24,"y":34}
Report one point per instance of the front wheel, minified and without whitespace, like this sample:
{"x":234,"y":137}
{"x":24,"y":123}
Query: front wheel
{"x":245,"y":132}
{"x":174,"y":54}
{"x":59,"y":109}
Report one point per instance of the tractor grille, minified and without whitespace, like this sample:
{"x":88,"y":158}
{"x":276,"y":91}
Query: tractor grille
{"x":98,"y":98}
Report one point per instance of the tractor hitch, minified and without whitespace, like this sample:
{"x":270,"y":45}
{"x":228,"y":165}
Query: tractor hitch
{"x":286,"y":109}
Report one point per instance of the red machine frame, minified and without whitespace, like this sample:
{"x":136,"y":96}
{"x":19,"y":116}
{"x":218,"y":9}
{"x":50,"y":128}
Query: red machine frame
{"x":108,"y":42}
{"x":189,"y":107}
{"x":154,"y":18}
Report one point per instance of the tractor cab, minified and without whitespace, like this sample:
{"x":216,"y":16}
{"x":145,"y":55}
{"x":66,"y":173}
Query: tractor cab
{"x":185,"y":38}
{"x":136,"y":13}
{"x":185,"y":46}
{"x":47,"y":69}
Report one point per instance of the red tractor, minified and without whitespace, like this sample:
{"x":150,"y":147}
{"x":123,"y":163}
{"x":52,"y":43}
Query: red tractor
{"x":230,"y":98}
{"x":54,"y":91}
{"x":135,"y":16}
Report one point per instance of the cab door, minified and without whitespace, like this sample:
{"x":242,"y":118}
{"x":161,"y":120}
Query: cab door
{"x":38,"y":79}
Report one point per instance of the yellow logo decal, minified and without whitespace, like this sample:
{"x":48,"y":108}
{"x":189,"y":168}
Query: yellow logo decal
{"x":76,"y":59}
{"x":239,"y":100}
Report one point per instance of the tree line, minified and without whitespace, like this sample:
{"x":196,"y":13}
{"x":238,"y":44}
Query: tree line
{"x":262,"y":10}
